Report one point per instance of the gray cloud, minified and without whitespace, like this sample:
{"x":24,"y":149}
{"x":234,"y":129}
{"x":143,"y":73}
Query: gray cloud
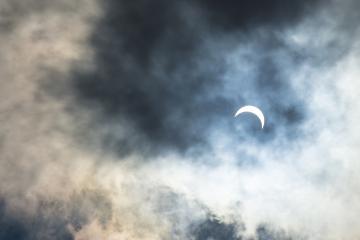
{"x":116,"y":120}
{"x":160,"y":67}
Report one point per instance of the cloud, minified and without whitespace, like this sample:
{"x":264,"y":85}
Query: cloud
{"x":116,"y":120}
{"x":159,"y":69}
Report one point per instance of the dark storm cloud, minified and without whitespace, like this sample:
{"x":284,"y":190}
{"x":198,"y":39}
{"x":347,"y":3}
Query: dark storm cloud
{"x":16,"y":226}
{"x":264,"y":232}
{"x":154,"y":67}
{"x":55,"y":219}
{"x":213,"y":228}
{"x":10,"y":227}
{"x":232,"y":15}
{"x":148,"y":73}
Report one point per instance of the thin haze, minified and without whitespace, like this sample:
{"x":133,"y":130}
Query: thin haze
{"x":116,"y":120}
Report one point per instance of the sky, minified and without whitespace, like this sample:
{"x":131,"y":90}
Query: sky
{"x":117,"y":120}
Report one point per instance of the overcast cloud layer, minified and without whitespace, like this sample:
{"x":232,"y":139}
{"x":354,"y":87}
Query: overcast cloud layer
{"x":116,"y":120}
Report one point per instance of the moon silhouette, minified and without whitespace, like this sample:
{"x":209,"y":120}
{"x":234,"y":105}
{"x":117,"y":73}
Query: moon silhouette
{"x":254,"y":110}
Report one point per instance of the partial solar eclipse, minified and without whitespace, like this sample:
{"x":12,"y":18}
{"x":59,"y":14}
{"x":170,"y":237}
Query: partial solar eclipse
{"x":254,"y":110}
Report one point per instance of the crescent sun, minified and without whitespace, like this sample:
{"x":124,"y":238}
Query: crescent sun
{"x":254,"y":110}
